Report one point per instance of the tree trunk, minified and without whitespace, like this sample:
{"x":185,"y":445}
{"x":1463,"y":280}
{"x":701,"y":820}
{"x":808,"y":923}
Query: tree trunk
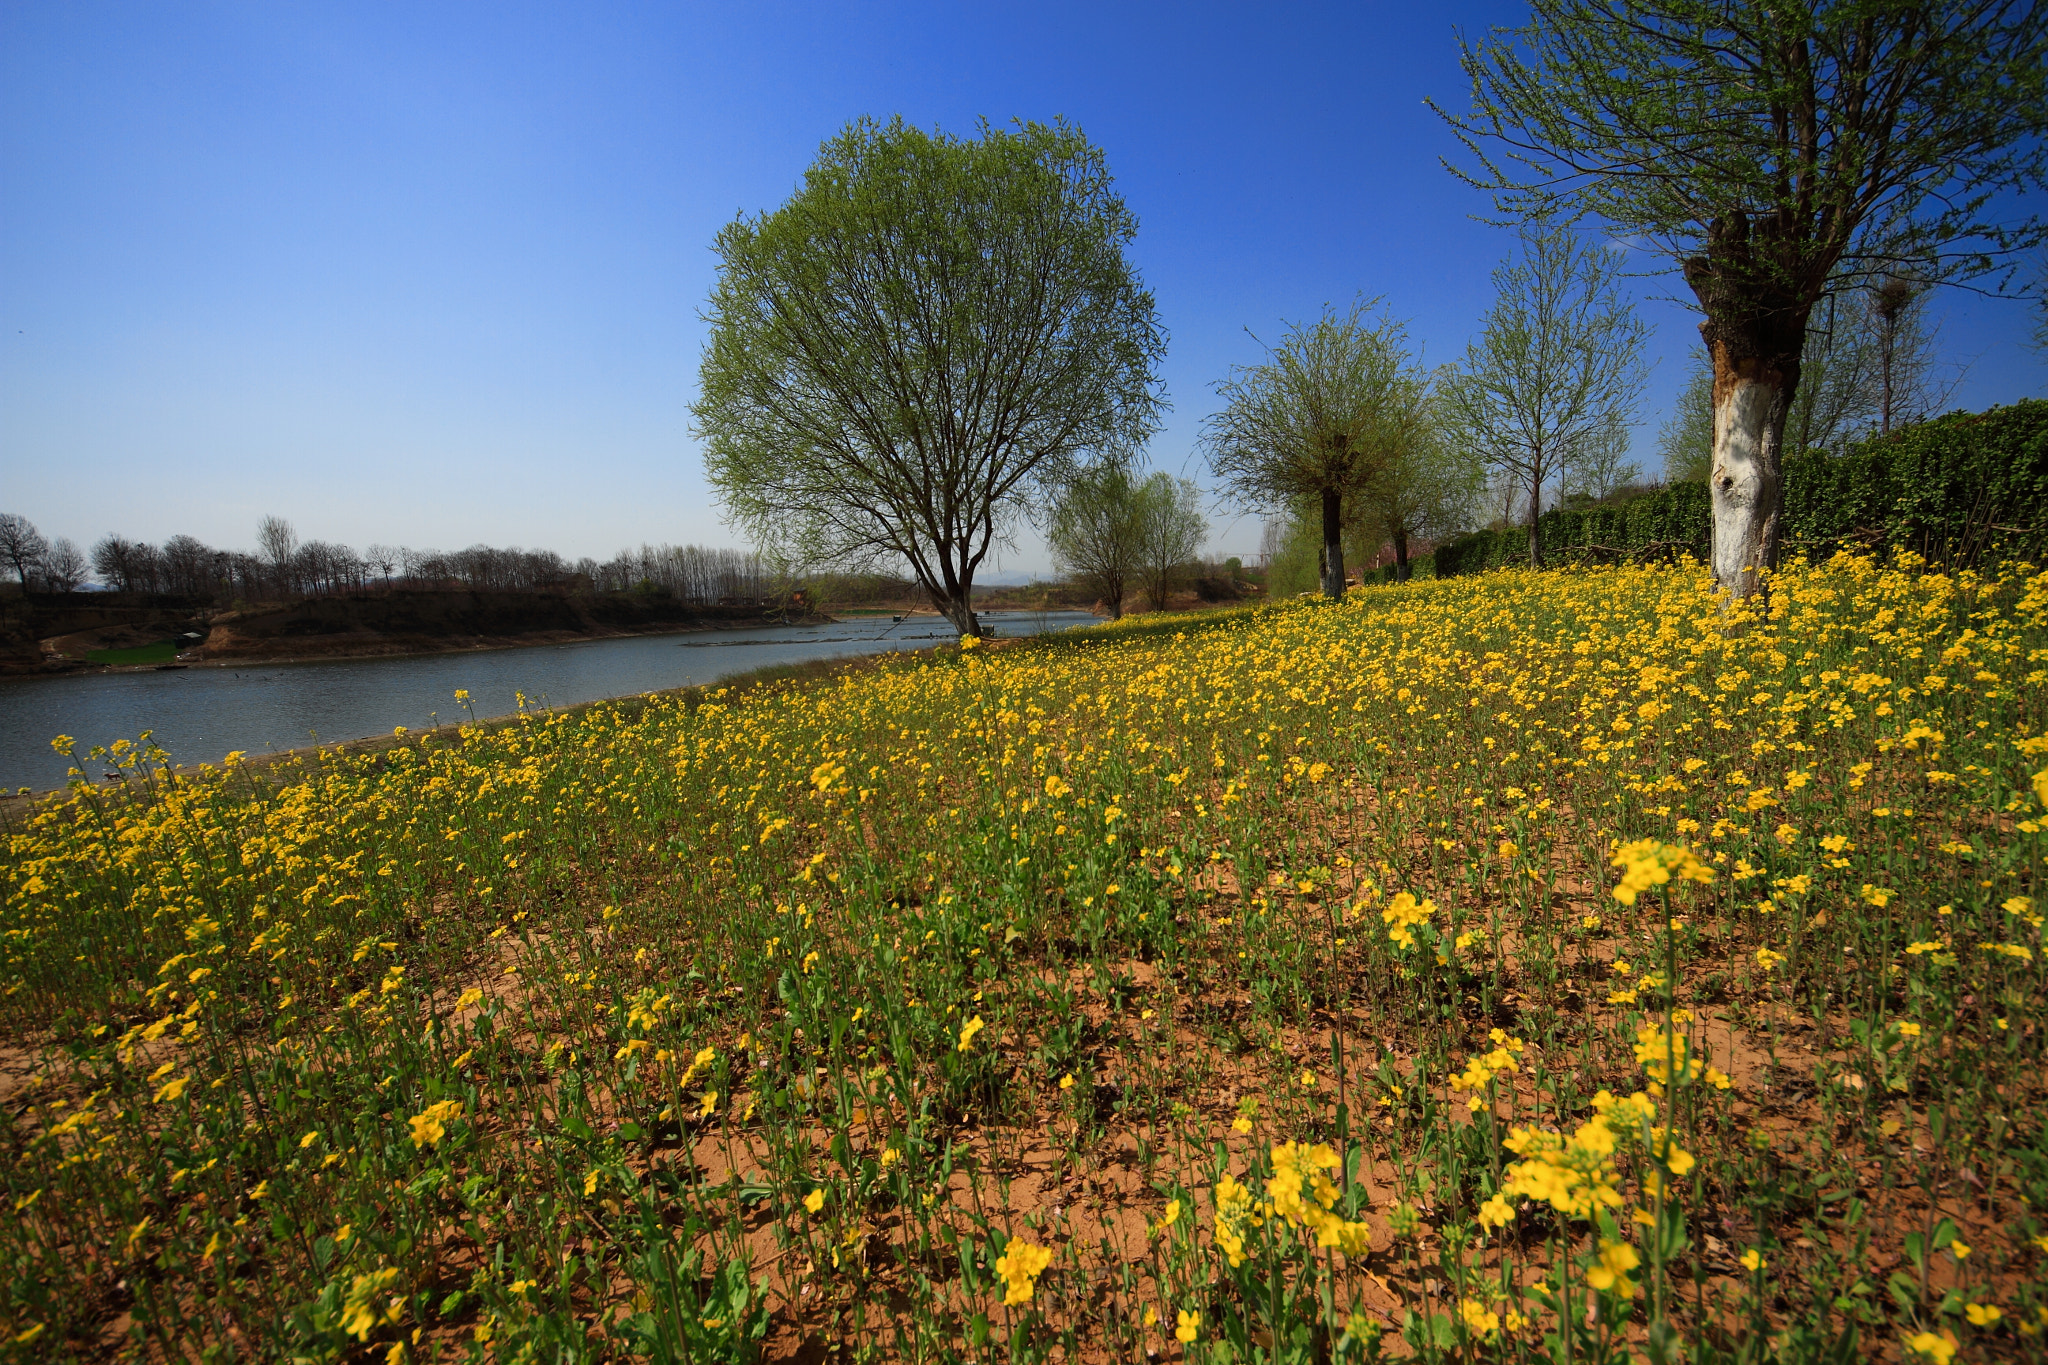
{"x":1536,"y":523}
{"x":1401,"y":569}
{"x":1333,"y":543}
{"x":1752,"y":395}
{"x":956,"y":610}
{"x":1755,"y":329}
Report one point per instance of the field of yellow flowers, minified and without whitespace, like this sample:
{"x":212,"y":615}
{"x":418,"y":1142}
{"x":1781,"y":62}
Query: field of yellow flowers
{"x":1528,"y":966}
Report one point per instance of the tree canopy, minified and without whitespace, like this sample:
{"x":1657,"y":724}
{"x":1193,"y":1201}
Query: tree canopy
{"x":1095,"y":532}
{"x":1171,"y":529}
{"x":1319,"y":420}
{"x":929,"y":335}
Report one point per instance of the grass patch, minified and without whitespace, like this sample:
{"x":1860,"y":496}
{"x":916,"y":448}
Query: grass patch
{"x":1471,"y":970}
{"x":162,"y":652}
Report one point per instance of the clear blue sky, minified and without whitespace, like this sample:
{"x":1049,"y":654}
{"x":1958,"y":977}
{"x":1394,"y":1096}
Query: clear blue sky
{"x":431,"y":273}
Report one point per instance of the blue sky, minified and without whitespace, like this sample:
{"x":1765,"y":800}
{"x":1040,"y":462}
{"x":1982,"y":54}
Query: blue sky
{"x":431,"y":273}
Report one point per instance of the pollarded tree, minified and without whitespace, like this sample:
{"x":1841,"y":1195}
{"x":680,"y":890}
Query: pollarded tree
{"x":1771,"y":149}
{"x":1094,"y":532}
{"x":931,"y":333}
{"x":1317,"y":422}
{"x":1558,"y":359}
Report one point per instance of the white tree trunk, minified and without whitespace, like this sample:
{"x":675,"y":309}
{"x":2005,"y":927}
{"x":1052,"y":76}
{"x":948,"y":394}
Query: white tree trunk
{"x":1750,"y":403}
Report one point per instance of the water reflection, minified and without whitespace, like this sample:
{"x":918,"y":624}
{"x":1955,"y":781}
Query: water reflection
{"x":199,"y":714}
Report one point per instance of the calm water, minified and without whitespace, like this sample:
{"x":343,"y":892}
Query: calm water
{"x":199,"y":714}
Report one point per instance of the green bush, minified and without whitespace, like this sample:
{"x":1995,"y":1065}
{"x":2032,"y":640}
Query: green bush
{"x":1963,"y":490}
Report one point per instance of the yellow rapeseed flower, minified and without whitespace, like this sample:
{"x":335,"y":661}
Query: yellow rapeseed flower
{"x":1020,"y":1265}
{"x":431,"y":1125}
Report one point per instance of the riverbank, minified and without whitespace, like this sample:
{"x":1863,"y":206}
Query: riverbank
{"x":80,"y":632}
{"x":207,"y":710}
{"x":295,"y":764}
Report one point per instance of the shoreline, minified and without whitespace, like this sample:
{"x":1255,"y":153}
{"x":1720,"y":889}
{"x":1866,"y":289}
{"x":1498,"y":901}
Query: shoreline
{"x":369,"y":650}
{"x":12,"y":803}
{"x":376,"y":649}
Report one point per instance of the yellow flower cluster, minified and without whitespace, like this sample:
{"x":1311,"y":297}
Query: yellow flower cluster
{"x":1649,"y":863}
{"x":1020,"y":1265}
{"x":1403,"y":915}
{"x":1237,"y":1213}
{"x":1301,"y":1193}
{"x":1575,"y":1175}
{"x":1481,"y":1070}
{"x":1077,"y":847}
{"x":1666,"y":1054}
{"x":430,"y":1126}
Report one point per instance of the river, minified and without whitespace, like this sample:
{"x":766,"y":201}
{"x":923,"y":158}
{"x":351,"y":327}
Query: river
{"x":199,"y":714}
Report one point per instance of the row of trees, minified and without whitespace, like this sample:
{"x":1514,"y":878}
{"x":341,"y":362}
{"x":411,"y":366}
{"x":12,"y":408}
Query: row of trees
{"x":37,"y":563}
{"x":1113,"y":531}
{"x":937,"y":336}
{"x":1342,"y":425}
{"x":284,"y":567}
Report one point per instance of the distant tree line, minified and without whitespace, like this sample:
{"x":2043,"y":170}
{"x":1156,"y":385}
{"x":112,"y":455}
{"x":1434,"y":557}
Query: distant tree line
{"x":282,"y":567}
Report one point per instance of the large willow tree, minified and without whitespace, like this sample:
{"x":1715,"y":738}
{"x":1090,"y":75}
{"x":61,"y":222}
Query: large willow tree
{"x":929,"y":333}
{"x":1775,"y":149}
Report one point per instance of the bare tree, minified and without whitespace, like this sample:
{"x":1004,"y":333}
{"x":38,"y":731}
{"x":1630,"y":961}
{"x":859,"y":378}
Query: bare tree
{"x":1910,"y":382}
{"x":278,"y":546}
{"x":1837,"y":397}
{"x":1558,"y":358}
{"x":1598,"y":466}
{"x":21,"y":545}
{"x":1316,"y":422}
{"x":64,"y":566}
{"x":384,"y":558}
{"x":125,"y":565}
{"x":190,"y":566}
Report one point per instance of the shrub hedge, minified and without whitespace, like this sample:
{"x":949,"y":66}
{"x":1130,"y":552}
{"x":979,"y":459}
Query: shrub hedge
{"x":1962,"y":490}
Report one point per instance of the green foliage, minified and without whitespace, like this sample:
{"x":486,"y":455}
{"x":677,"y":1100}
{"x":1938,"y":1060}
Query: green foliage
{"x":1336,"y":402}
{"x":1835,"y":130}
{"x":1557,"y":364}
{"x":162,"y":652}
{"x":1964,"y":490}
{"x":1686,"y":441}
{"x":1171,"y":528}
{"x":1094,"y":533}
{"x":931,"y":329}
{"x":1292,"y":567}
